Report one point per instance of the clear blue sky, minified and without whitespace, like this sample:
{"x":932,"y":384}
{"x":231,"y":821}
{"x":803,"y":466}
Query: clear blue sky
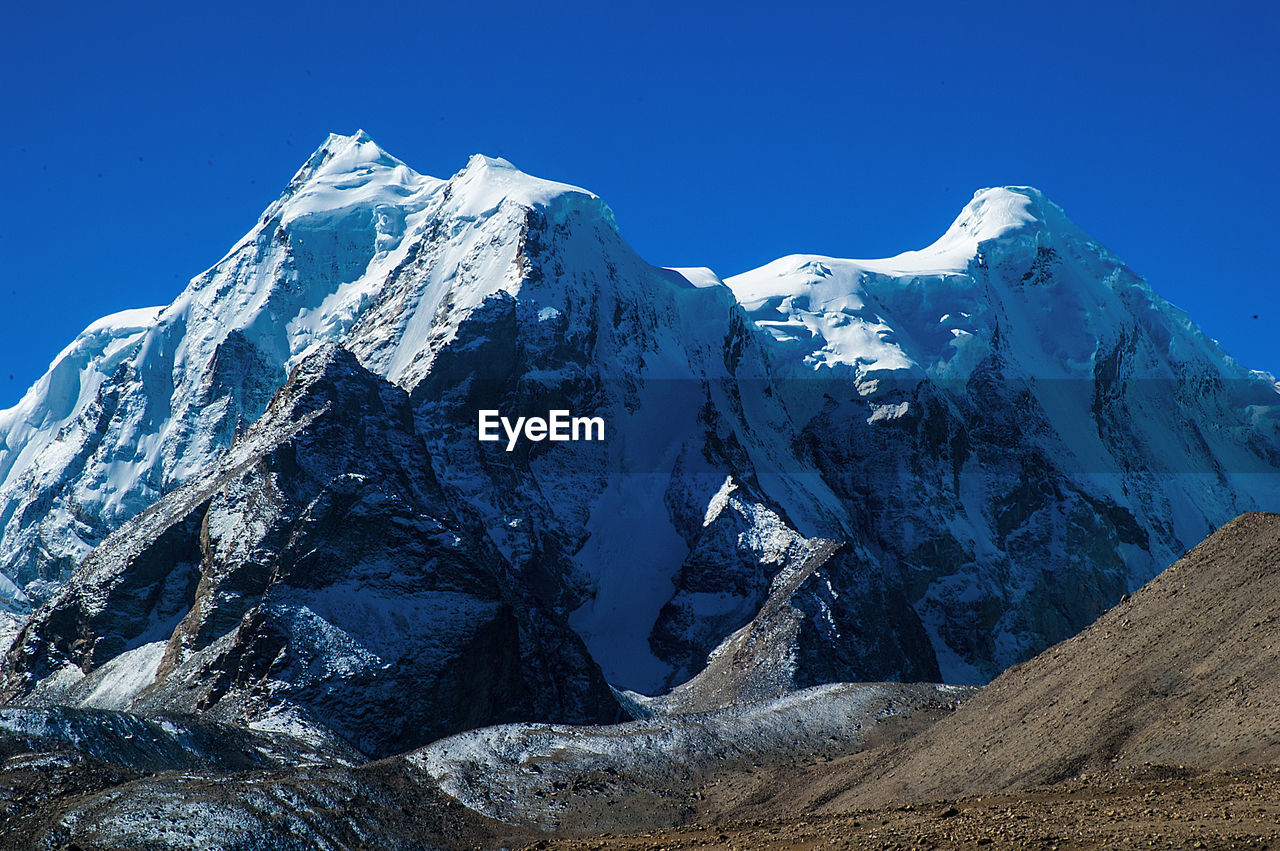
{"x":140,"y":142}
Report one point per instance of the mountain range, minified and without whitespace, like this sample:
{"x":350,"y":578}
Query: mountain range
{"x":266,"y":502}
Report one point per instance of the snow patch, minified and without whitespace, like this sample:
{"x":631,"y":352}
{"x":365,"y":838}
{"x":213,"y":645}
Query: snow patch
{"x":116,"y":683}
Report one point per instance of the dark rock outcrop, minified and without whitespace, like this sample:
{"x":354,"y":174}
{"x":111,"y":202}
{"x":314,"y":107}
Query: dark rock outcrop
{"x":318,"y":578}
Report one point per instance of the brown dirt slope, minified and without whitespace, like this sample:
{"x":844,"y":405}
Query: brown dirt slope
{"x":1185,"y":672}
{"x":1151,"y":809}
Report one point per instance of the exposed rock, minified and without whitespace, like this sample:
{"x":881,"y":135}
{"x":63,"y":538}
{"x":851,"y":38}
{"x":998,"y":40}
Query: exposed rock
{"x":318,"y":580}
{"x":1008,"y":429}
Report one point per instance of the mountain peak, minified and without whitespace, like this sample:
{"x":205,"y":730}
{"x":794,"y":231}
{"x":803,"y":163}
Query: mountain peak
{"x":485,"y":182}
{"x":479,"y":161}
{"x":994,"y":213}
{"x":335,"y":143}
{"x":346,"y":170}
{"x":339,"y":153}
{"x":997,"y":211}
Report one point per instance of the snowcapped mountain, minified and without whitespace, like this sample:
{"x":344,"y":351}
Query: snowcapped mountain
{"x":316,"y":579}
{"x":142,"y":400}
{"x":1025,"y":429}
{"x":1004,"y":432}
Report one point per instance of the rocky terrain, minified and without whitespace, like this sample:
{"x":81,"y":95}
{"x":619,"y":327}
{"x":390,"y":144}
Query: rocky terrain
{"x":1164,"y":808}
{"x":262,"y":586}
{"x":660,"y":770}
{"x":98,"y":780}
{"x":1120,"y":737}
{"x":1185,"y":672}
{"x":107,"y":779}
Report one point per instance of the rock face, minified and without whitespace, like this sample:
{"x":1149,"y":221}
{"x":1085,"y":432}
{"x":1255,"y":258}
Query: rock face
{"x":317,"y":579}
{"x":796,"y":640}
{"x":1005,"y":431}
{"x":1021,"y":429}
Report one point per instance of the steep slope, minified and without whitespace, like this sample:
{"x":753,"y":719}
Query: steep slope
{"x":580,"y":323}
{"x":796,"y":639}
{"x":1021,"y":427}
{"x":317,"y":580}
{"x":144,"y":399}
{"x":1185,"y":672}
{"x":491,"y":289}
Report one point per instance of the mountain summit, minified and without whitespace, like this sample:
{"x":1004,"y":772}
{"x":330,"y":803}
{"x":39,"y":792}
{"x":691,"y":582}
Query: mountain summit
{"x":925,"y":467}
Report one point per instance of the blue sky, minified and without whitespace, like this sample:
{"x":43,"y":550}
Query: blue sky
{"x":140,"y":143}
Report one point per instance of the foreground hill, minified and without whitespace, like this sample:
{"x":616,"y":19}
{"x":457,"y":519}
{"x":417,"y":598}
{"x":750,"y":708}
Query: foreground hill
{"x":1186,"y":672}
{"x":1220,"y":810}
{"x":109,"y":779}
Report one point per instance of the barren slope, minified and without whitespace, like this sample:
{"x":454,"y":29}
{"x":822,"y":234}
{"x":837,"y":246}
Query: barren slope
{"x":1185,"y":672}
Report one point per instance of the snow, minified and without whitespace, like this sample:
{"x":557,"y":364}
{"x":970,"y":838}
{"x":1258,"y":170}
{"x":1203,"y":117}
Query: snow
{"x":357,"y":173}
{"x":719,"y":501}
{"x":311,"y":269}
{"x":875,"y":318}
{"x":69,"y":386}
{"x":699,"y":276}
{"x":993,"y":214}
{"x":363,"y":251}
{"x":631,"y":557}
{"x":10,"y":622}
{"x":289,"y":720}
{"x":118,"y":681}
{"x":501,"y":771}
{"x":1013,"y":277}
{"x":121,"y":324}
{"x":820,"y":309}
{"x":487,"y":182}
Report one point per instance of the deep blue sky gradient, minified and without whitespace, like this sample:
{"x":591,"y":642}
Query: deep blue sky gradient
{"x":140,"y":142}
